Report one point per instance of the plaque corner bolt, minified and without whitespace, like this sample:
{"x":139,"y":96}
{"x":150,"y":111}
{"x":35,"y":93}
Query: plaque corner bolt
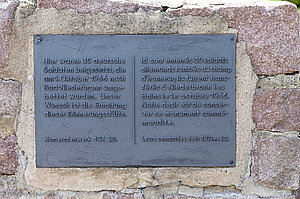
{"x":231,"y":162}
{"x":38,"y":39}
{"x":231,"y":38}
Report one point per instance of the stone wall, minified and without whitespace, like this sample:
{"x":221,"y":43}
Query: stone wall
{"x":268,"y":98}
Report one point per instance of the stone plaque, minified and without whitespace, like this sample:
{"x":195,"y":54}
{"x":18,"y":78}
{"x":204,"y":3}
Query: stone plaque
{"x":135,"y":100}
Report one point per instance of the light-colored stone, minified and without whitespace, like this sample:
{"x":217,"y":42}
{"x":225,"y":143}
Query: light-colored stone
{"x":26,"y":8}
{"x":250,"y":188}
{"x":52,"y":21}
{"x":278,"y":82}
{"x":9,"y":187}
{"x":38,"y":194}
{"x":128,"y":190}
{"x":229,"y":196}
{"x":220,"y":190}
{"x":240,"y":196}
{"x":88,"y":195}
{"x":198,"y":25}
{"x":7,"y":126}
{"x":276,"y":162}
{"x":178,"y":197}
{"x":115,"y":195}
{"x":146,"y":178}
{"x":160,"y":192}
{"x":190,"y":191}
{"x":96,"y":6}
{"x":152,"y":193}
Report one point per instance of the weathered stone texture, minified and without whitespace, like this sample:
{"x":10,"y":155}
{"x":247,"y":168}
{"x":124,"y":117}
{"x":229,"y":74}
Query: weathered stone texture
{"x":203,"y":12}
{"x":7,"y":9}
{"x":250,"y":188}
{"x":9,"y":188}
{"x":95,"y":6}
{"x":7,"y":126}
{"x":233,"y":196}
{"x":190,"y":191}
{"x":161,"y":191}
{"x":8,"y":154}
{"x":277,"y":110}
{"x":10,"y":98}
{"x":272,"y":36}
{"x":176,"y":197}
{"x":228,"y":197}
{"x":26,"y":8}
{"x":277,"y":82}
{"x":276,"y":162}
{"x":297,"y":193}
{"x":271,"y":33}
{"x":229,"y":190}
{"x":68,"y":21}
{"x":113,"y":195}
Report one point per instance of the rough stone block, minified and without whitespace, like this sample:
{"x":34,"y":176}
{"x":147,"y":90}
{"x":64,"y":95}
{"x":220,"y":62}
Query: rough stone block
{"x":79,"y":195}
{"x":7,"y":126}
{"x":230,"y":190}
{"x":219,"y":196}
{"x":8,"y":155}
{"x":203,"y":12}
{"x":9,"y":188}
{"x":114,"y":195}
{"x":270,"y":29}
{"x":251,"y":188}
{"x":190,"y":191}
{"x":248,"y":197}
{"x":160,"y":192}
{"x":272,"y":36}
{"x":26,"y":8}
{"x":234,"y":196}
{"x":7,"y":9}
{"x":277,"y":110}
{"x":176,"y":197}
{"x":276,"y":162}
{"x":96,"y":6}
{"x":54,"y":195}
{"x":278,"y":82}
{"x":10,"y":98}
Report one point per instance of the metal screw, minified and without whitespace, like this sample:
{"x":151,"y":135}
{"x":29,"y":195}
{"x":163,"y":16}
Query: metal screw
{"x":231,"y":162}
{"x":232,"y":38}
{"x":38,"y":39}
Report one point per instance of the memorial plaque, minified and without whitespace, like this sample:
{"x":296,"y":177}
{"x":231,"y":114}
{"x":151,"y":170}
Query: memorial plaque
{"x":135,"y":100}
